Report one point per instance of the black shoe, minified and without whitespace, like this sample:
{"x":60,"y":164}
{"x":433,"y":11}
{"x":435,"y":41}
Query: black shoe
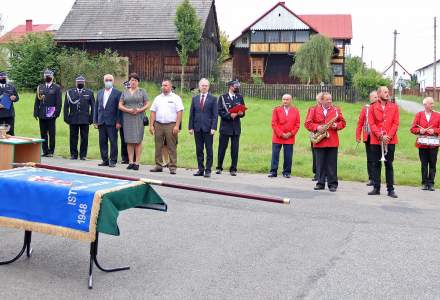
{"x":314,"y":179}
{"x":207,"y":174}
{"x":135,"y":167}
{"x":332,"y":189}
{"x":173,"y":172}
{"x":103,"y":164}
{"x":73,"y":158}
{"x":318,"y":187}
{"x":374,"y":192}
{"x":112,"y":165}
{"x":156,"y":169}
{"x":370,"y":183}
{"x":286,"y":175}
{"x":272,"y":175}
{"x":198,"y":173}
{"x":125,"y":162}
{"x":83,"y":158}
{"x":49,"y":155}
{"x":392,"y":194}
{"x":233,"y":173}
{"x":425,"y":187}
{"x":130,"y":166}
{"x":431,"y":188}
{"x":45,"y":154}
{"x":218,"y":172}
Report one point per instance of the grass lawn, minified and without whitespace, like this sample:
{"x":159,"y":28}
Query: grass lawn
{"x":255,"y":142}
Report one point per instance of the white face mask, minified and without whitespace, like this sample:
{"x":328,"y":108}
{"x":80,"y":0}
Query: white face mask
{"x":108,"y":84}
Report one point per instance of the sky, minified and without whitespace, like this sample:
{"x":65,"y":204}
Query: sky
{"x":373,"y":23}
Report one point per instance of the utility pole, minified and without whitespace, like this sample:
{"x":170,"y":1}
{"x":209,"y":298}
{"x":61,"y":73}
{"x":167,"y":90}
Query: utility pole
{"x":434,"y":79}
{"x":362,"y":53}
{"x":394,"y":62}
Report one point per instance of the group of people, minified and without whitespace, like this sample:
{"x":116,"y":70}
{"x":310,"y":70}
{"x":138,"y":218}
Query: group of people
{"x":125,"y":112}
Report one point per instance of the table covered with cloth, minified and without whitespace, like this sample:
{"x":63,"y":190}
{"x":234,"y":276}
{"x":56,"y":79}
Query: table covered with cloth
{"x":68,"y":204}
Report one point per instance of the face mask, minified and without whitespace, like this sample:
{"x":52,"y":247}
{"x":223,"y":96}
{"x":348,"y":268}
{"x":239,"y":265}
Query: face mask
{"x":3,"y":81}
{"x":108,"y":84}
{"x":80,"y":86}
{"x":236,"y":90}
{"x":48,"y":79}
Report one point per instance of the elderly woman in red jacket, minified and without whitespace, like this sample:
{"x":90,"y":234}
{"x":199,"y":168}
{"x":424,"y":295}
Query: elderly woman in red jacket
{"x":427,"y":123}
{"x":285,"y":125}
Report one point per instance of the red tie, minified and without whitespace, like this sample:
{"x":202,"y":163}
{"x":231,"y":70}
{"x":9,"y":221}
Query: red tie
{"x":202,"y":102}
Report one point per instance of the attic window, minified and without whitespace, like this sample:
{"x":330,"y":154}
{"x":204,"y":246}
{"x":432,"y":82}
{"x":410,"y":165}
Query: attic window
{"x":279,"y":15}
{"x":244,"y":40}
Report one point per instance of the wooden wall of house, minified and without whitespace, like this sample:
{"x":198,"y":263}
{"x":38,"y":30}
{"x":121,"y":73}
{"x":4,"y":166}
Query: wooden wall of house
{"x":241,"y":64}
{"x":209,"y":46}
{"x":278,"y":69}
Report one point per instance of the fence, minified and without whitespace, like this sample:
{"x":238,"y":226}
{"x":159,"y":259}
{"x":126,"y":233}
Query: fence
{"x":429,"y":92}
{"x":298,"y":91}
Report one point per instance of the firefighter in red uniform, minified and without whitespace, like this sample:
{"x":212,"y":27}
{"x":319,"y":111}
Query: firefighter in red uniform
{"x":364,"y":129}
{"x":427,"y":123}
{"x":383,"y":118}
{"x":318,"y":119}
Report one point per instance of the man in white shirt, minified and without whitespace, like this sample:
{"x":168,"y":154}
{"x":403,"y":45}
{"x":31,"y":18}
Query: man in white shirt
{"x":165,"y":119}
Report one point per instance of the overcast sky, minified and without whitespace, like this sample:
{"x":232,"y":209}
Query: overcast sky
{"x":373,"y":23}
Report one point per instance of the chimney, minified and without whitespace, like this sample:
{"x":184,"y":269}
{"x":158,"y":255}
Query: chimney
{"x":28,"y":25}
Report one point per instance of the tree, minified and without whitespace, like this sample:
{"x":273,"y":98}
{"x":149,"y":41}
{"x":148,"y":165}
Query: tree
{"x":353,"y":65}
{"x":189,"y":31}
{"x":4,"y":60}
{"x":368,"y":81}
{"x":312,"y":61}
{"x":224,"y":44}
{"x":29,"y":57}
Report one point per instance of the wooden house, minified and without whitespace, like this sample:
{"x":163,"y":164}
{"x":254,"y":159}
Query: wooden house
{"x":267,"y":47}
{"x":143,"y":31}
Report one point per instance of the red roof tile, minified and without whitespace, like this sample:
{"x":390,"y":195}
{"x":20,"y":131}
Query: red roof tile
{"x":332,"y":26}
{"x":20,"y":31}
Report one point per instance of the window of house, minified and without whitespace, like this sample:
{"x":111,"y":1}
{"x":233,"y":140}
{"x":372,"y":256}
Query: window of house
{"x":244,"y":40}
{"x":302,"y":36}
{"x":287,"y":37}
{"x":257,"y":37}
{"x":257,"y":66}
{"x":337,"y":69}
{"x":273,"y":37}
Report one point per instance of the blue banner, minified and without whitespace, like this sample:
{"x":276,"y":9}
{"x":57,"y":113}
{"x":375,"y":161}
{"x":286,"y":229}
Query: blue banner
{"x":40,"y":196}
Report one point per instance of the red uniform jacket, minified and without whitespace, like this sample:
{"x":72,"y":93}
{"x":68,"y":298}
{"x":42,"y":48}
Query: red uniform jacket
{"x":284,"y":124}
{"x":362,"y":122}
{"x":383,"y":121}
{"x":316,"y":117}
{"x":434,"y":123}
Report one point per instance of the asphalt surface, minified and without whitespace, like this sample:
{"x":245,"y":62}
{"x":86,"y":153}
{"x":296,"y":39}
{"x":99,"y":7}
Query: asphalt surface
{"x":343,"y":245}
{"x":410,"y":106}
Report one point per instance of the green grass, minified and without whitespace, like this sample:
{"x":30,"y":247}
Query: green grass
{"x":255,"y":142}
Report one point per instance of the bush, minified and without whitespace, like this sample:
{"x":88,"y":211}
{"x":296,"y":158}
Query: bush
{"x":256,"y":79}
{"x":30,"y":56}
{"x":4,"y":61}
{"x":369,"y":80}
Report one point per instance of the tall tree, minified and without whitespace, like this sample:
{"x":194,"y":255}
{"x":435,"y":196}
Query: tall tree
{"x":353,"y":65}
{"x":189,"y":32}
{"x":312,"y":61}
{"x":224,"y":43}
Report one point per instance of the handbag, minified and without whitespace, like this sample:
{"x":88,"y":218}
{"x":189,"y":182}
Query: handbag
{"x":146,"y":121}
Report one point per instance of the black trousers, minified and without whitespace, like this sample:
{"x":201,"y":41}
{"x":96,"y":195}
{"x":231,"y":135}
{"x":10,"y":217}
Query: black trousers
{"x":313,"y":160}
{"x":47,"y":132}
{"x":370,"y":161}
{"x":108,"y":134}
{"x":288,"y":154}
{"x":83,"y":131}
{"x":327,"y":166}
{"x":204,"y":140}
{"x":377,"y":166}
{"x":223,"y":145}
{"x":124,"y":152}
{"x":10,"y":122}
{"x":428,"y":159}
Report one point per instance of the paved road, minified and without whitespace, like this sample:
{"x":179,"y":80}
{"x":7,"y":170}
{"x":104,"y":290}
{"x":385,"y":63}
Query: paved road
{"x":343,"y":245}
{"x":410,"y":106}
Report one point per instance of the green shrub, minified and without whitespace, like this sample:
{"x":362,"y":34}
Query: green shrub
{"x":367,"y":81}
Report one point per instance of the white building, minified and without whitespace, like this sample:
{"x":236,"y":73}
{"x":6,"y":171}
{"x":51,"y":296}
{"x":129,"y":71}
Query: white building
{"x":425,"y":76}
{"x":401,"y":75}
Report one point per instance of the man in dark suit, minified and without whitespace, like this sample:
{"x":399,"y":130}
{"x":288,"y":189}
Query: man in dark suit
{"x":47,"y":108}
{"x":107,"y":119}
{"x":79,"y":104}
{"x":230,"y":126}
{"x":203,"y":117}
{"x":7,"y":114}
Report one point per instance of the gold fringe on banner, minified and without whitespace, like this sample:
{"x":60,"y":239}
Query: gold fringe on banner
{"x":63,"y":231}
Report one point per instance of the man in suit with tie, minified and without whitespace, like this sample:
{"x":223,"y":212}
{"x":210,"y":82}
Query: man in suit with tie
{"x":203,"y":124}
{"x":107,"y":119}
{"x":230,"y":126}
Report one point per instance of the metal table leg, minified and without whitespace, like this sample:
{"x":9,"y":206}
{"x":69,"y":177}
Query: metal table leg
{"x":26,"y":247}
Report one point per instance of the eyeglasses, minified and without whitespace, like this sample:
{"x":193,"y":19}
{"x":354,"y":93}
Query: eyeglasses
{"x":108,"y":80}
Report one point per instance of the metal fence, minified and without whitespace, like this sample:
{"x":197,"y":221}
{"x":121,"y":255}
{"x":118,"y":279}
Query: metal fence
{"x":298,"y":91}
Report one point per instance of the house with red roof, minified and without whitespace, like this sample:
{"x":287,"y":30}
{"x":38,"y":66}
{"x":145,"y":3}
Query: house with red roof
{"x":23,"y":29}
{"x":266,"y":48}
